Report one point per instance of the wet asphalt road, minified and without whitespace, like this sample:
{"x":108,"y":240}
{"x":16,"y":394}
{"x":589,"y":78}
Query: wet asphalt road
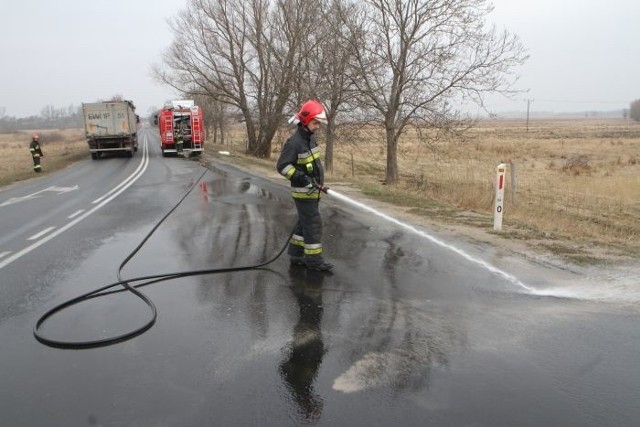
{"x":406,"y":332}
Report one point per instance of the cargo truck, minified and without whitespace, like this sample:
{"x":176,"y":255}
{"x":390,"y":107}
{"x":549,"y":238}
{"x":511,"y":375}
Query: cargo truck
{"x":111,"y":127}
{"x":181,"y":121}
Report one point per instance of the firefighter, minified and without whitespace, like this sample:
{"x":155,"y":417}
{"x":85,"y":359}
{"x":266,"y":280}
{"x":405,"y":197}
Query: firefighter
{"x":299,"y":162}
{"x":36,"y":152}
{"x":180,"y":131}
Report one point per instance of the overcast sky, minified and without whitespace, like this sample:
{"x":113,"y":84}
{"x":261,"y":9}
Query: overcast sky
{"x":584,"y":53}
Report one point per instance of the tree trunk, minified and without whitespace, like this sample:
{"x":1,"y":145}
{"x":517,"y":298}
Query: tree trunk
{"x":392,"y":157}
{"x":252,"y":139}
{"x":328,"y":154}
{"x":263,"y":150}
{"x":268,"y":132}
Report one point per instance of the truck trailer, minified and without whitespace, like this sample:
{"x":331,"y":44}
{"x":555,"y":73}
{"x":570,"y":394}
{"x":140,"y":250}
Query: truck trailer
{"x":181,"y":128}
{"x":111,"y":127}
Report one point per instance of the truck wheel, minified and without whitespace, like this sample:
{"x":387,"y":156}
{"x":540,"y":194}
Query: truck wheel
{"x":129,"y":154}
{"x":94,"y":156}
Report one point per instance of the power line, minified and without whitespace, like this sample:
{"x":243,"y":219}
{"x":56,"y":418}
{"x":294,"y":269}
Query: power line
{"x":581,"y":102}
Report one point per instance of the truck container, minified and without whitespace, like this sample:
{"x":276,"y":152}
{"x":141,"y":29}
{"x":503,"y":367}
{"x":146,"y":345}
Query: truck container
{"x":181,"y":119}
{"x":111,"y":127}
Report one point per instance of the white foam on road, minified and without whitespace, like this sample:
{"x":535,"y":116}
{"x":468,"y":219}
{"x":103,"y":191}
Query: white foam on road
{"x":620,"y":287}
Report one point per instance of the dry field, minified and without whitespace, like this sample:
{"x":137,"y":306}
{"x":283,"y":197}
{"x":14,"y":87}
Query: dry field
{"x":60,"y":148}
{"x":576,"y":192}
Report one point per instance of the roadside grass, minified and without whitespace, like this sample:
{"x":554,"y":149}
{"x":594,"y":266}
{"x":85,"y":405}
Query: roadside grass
{"x":577,"y":181}
{"x":60,"y":147}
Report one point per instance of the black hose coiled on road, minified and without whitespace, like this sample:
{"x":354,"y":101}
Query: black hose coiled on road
{"x":126,"y":284}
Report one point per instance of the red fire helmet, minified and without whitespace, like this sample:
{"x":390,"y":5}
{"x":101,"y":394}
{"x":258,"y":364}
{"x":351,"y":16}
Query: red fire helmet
{"x":310,"y":110}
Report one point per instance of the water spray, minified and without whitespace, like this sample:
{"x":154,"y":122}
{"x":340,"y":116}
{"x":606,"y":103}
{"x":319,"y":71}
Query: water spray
{"x":429,"y":237}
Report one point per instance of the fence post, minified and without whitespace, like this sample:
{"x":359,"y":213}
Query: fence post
{"x":353,"y":166}
{"x":499,"y":204}
{"x":513,"y":184}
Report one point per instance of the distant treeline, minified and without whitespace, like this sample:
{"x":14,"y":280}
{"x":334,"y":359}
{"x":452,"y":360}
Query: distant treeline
{"x":634,"y":111}
{"x":49,"y":118}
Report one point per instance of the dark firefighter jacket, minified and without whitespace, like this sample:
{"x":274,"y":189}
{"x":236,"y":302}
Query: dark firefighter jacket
{"x":300,"y":163}
{"x":34,"y":147}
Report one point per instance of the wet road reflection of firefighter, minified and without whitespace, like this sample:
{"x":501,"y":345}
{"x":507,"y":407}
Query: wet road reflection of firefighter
{"x":300,"y":368}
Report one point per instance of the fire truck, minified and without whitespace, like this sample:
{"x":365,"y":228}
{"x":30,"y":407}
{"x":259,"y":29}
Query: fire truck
{"x":181,"y":128}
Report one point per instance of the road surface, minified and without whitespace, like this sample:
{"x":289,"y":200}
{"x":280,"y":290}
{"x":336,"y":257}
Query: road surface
{"x":410,"y":330}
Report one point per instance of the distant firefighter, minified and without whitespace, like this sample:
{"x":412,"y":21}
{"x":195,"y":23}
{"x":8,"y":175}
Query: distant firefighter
{"x":36,"y":152}
{"x":180,"y":133}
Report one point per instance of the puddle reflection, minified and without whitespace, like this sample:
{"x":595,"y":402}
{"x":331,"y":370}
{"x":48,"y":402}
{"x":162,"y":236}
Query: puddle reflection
{"x":300,"y":369}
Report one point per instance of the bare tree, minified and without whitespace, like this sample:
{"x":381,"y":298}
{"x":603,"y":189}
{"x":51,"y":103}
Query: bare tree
{"x":216,"y":117}
{"x":415,"y":59}
{"x":327,"y":67}
{"x":242,"y":53}
{"x":49,"y":112}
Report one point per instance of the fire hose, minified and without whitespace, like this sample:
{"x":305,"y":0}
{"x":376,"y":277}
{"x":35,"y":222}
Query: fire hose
{"x":132,"y":285}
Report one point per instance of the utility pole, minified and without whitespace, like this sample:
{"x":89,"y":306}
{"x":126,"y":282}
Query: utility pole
{"x":528,"y":106}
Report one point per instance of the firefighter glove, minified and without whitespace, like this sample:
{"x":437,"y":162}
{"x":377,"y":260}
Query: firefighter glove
{"x":300,"y":179}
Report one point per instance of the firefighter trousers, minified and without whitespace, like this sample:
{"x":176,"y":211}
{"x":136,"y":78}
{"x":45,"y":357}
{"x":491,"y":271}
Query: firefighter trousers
{"x":307,"y":236}
{"x":36,"y":163}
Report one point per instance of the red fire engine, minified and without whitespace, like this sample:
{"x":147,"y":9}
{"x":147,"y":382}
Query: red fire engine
{"x":181,"y":128}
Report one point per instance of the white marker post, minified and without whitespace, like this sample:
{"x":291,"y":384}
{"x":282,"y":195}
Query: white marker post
{"x":499,"y":206}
